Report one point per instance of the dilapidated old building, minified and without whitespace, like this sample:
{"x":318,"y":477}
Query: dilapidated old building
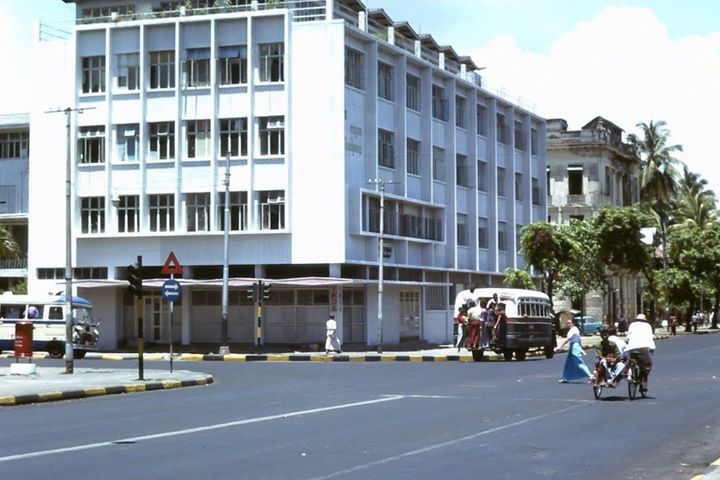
{"x":587,"y":169}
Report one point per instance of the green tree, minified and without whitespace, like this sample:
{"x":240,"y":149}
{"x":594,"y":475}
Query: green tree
{"x":695,"y":255}
{"x":583,"y":272}
{"x":547,"y":249}
{"x":515,"y":278}
{"x":695,"y":202}
{"x":8,"y":246}
{"x":620,"y":246}
{"x":658,"y":181}
{"x":20,"y":288}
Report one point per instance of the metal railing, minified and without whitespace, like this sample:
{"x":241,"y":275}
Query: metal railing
{"x":303,"y":11}
{"x":13,"y":263}
{"x":346,"y":13}
{"x":430,"y":56}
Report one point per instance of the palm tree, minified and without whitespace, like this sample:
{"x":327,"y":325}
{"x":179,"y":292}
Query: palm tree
{"x":658,"y":180}
{"x":8,"y":246}
{"x":695,"y":203}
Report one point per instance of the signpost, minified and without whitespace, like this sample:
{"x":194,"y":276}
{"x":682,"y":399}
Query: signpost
{"x":171,"y":292}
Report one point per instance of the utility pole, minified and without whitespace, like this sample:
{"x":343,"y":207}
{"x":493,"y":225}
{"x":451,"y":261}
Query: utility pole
{"x":381,"y":256}
{"x":224,"y":348}
{"x":69,"y":367}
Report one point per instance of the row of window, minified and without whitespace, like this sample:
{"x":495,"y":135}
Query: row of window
{"x":85,"y":273}
{"x":354,"y":77}
{"x":160,"y":140}
{"x":160,"y":216}
{"x":14,"y":144}
{"x":386,"y":158}
{"x":231,"y":68}
{"x":484,"y":233}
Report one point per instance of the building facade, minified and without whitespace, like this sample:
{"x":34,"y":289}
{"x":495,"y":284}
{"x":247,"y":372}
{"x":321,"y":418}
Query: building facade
{"x":14,"y":158}
{"x":308,"y":101}
{"x":587,"y":169}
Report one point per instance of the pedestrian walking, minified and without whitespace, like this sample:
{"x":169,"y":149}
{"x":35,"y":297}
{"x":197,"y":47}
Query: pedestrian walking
{"x":622,"y":323}
{"x":673,"y":324}
{"x":461,"y":322}
{"x":332,"y":342}
{"x":574,"y":368}
{"x":695,"y":319}
{"x":474,"y":340}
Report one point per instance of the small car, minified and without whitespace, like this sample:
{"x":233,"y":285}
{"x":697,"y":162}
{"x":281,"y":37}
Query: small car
{"x":588,"y":325}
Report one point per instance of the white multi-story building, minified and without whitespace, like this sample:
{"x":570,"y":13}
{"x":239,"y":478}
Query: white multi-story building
{"x":14,"y":154}
{"x":308,"y":101}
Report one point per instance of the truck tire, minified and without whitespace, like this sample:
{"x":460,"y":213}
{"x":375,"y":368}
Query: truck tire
{"x":520,"y":354}
{"x":507,"y":354}
{"x":549,"y":352}
{"x":56,"y":349}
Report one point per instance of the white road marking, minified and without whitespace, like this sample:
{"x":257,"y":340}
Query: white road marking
{"x":449,"y":443}
{"x":187,"y":431}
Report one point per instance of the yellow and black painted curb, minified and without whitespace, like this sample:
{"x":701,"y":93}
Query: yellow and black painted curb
{"x":97,"y":391}
{"x":305,"y":357}
{"x":319,"y":357}
{"x":714,"y":470}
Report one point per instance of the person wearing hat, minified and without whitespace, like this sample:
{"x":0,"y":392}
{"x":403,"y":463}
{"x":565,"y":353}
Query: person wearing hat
{"x":640,"y":344}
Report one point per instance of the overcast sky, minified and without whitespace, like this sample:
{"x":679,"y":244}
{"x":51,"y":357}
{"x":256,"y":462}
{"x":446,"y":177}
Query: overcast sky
{"x":629,"y":61}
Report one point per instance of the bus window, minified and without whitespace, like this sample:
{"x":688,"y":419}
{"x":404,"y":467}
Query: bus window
{"x":56,"y":313}
{"x":34,"y":312}
{"x":12,"y":311}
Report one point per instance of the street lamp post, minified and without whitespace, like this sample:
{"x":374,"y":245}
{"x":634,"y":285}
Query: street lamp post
{"x":69,"y":367}
{"x":381,"y":255}
{"x":224,"y":348}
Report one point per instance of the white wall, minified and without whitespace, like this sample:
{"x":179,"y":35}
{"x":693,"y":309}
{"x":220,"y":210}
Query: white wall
{"x":52,"y":61}
{"x":317,"y":173}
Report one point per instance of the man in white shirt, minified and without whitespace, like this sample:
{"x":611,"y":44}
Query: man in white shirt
{"x":640,"y":343}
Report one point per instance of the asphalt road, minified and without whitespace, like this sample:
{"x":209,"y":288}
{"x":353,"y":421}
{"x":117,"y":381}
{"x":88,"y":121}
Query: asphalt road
{"x":398,"y":420}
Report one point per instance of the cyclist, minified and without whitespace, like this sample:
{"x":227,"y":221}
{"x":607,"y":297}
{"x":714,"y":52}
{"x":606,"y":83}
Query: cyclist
{"x":640,"y":344}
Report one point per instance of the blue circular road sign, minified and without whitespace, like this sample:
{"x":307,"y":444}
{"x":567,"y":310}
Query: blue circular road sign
{"x":171,"y":290}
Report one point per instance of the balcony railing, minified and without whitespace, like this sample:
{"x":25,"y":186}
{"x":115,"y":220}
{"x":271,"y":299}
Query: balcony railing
{"x":303,"y":11}
{"x":13,"y":263}
{"x":412,"y":226}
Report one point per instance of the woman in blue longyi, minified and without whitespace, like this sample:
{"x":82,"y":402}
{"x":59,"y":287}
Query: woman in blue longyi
{"x":575,"y":368}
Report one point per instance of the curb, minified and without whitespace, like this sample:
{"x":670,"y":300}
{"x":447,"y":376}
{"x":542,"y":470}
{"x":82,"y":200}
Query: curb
{"x":310,"y":357}
{"x":319,"y":357}
{"x":98,"y":391}
{"x":712,"y":474}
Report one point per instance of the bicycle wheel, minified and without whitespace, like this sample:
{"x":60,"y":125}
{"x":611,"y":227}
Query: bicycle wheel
{"x":597,"y":391}
{"x":633,"y":379}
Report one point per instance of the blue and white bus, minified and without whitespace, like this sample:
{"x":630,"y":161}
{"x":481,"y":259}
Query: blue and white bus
{"x":47,"y":314}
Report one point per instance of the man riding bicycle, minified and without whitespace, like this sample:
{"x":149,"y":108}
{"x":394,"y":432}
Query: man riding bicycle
{"x":640,"y":344}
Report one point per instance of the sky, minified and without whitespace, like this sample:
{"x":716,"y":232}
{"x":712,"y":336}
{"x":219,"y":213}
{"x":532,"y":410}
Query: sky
{"x":629,"y":61}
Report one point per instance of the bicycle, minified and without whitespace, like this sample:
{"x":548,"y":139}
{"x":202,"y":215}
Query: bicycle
{"x":631,"y":373}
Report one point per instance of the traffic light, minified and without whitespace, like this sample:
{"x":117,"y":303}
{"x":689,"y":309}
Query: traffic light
{"x":250,"y":292}
{"x":134,"y":278}
{"x":266,"y":291}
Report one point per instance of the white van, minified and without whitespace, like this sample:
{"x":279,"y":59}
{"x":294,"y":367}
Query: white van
{"x":47,"y":314}
{"x":529,"y":321}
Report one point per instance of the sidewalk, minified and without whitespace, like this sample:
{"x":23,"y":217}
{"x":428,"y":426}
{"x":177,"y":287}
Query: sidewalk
{"x":51,"y":383}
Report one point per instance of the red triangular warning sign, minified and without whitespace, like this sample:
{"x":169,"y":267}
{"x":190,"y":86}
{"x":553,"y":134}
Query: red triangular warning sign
{"x":172,"y":266}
